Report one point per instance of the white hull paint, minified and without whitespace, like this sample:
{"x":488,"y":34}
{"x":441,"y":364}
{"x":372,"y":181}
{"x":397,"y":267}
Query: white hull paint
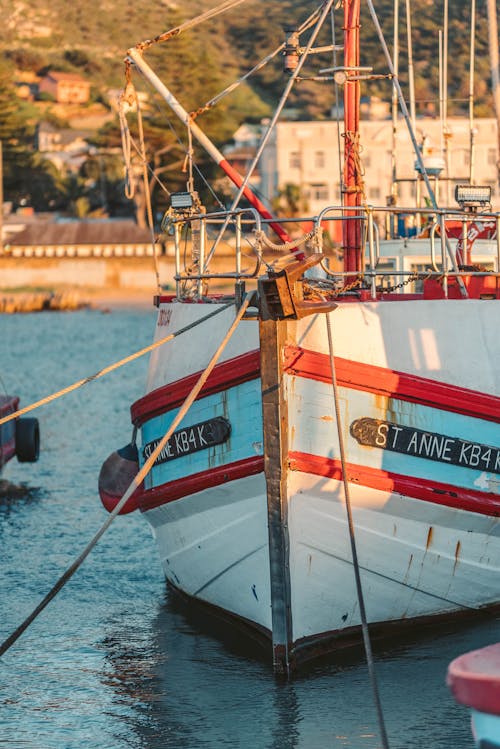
{"x":214,"y":547}
{"x":418,"y":558}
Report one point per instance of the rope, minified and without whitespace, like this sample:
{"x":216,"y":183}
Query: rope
{"x":111,"y":367}
{"x":261,"y":237}
{"x":211,"y":13}
{"x":353,"y":152}
{"x":135,"y":484}
{"x":147,"y":193}
{"x":362,"y":611}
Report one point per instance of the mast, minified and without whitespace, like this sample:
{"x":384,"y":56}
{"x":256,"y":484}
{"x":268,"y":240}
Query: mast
{"x":394,"y":107}
{"x":495,"y":79}
{"x":352,"y":175}
{"x":472,"y":154}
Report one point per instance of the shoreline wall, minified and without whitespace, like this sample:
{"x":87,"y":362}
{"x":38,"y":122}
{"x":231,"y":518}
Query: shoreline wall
{"x":112,"y":272}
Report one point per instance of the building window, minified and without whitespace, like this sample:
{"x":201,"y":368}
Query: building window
{"x":295,"y":160}
{"x":319,"y":192}
{"x":375,"y":192}
{"x":319,"y":159}
{"x":492,"y":156}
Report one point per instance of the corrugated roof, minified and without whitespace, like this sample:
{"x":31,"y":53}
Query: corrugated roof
{"x":82,"y":232}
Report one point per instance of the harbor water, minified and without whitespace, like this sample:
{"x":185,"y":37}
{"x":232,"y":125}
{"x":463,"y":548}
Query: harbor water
{"x":114,"y":661}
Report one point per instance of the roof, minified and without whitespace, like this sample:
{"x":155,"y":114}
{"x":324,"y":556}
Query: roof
{"x":60,"y":76}
{"x":82,"y":232}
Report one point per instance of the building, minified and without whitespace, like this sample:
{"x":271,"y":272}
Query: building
{"x":66,"y":88}
{"x":310,"y":154}
{"x":67,"y":148}
{"x":63,"y":239}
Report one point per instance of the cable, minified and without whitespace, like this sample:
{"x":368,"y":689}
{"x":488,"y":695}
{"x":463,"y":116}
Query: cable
{"x":135,"y":484}
{"x":355,"y":561}
{"x":110,"y":368}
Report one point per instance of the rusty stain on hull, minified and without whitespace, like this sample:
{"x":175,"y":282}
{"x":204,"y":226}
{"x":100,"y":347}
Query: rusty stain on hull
{"x":457,"y":554}
{"x":429,"y":537}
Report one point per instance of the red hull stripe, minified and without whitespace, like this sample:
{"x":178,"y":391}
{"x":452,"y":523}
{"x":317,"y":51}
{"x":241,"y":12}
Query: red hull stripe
{"x":381,"y":381}
{"x":197,"y":482}
{"x":410,"y":486}
{"x":224,"y":376}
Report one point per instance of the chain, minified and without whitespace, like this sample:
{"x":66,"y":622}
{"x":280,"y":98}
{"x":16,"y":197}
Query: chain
{"x":311,"y":288}
{"x":402,"y":284}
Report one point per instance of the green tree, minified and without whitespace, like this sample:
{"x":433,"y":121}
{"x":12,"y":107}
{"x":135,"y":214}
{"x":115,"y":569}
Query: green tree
{"x":16,"y":137}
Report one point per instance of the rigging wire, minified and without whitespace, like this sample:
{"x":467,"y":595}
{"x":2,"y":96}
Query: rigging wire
{"x":135,"y":484}
{"x":352,"y":538}
{"x":210,"y":13}
{"x":337,"y":109}
{"x":164,"y":113}
{"x":288,"y":88}
{"x":305,"y":26}
{"x":111,"y":367}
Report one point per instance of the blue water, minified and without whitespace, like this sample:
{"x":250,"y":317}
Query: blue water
{"x":114,"y":662}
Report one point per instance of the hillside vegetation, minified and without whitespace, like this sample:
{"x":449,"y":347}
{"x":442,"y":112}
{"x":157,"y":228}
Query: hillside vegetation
{"x":91,"y":37}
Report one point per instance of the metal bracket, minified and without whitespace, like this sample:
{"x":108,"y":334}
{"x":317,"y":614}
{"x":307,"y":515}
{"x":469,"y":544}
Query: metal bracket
{"x":282,"y":295}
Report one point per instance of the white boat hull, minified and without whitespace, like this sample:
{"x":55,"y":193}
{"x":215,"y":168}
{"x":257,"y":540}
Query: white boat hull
{"x":425,"y":513}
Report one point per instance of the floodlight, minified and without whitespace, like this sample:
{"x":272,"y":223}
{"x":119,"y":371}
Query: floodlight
{"x":472,"y":196}
{"x":181,"y":200}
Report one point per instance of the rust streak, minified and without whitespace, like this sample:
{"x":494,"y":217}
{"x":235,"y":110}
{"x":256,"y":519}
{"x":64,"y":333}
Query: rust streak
{"x":429,"y":537}
{"x":457,"y":554}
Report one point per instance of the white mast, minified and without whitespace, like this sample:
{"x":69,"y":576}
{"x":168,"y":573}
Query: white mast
{"x":472,"y":154}
{"x":495,"y":79}
{"x":395,"y":59}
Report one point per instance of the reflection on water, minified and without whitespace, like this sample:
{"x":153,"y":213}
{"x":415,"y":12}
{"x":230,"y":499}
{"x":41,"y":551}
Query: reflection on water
{"x":115,"y":661}
{"x":189,"y":687}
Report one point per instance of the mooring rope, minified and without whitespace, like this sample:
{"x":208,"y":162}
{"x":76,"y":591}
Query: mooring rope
{"x":112,"y":367}
{"x":135,"y":484}
{"x":355,"y":561}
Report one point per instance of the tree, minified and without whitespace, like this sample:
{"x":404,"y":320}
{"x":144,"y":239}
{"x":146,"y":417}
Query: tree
{"x":15,"y":136}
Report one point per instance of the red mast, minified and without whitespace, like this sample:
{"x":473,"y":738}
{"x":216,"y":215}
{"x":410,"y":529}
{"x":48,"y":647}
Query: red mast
{"x":351,"y":235}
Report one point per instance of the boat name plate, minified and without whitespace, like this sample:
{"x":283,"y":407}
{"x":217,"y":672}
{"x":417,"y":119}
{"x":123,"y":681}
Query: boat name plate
{"x":429,"y":445}
{"x":191,"y":439}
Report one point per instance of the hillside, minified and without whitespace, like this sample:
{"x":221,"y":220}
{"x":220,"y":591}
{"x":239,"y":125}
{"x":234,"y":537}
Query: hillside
{"x":91,"y":36}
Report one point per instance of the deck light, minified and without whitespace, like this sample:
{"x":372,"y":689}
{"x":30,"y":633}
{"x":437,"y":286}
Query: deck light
{"x":472,"y":196}
{"x":181,"y":200}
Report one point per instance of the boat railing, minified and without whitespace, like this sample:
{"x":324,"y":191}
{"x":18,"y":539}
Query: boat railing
{"x":231,"y":229}
{"x":241,"y":232}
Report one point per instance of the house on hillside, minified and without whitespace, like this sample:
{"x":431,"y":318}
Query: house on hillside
{"x":66,"y":88}
{"x":67,"y":148}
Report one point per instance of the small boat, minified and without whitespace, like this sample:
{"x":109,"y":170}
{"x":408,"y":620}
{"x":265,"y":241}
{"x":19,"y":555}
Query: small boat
{"x":19,"y":437}
{"x":474,"y":681}
{"x":339,"y":397}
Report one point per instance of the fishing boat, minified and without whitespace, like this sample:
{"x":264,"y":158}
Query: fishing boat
{"x":474,"y":681}
{"x":20,"y":437}
{"x":347,"y":439}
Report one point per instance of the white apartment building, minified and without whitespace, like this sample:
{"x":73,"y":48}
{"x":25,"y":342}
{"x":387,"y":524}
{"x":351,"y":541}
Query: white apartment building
{"x":309,"y":155}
